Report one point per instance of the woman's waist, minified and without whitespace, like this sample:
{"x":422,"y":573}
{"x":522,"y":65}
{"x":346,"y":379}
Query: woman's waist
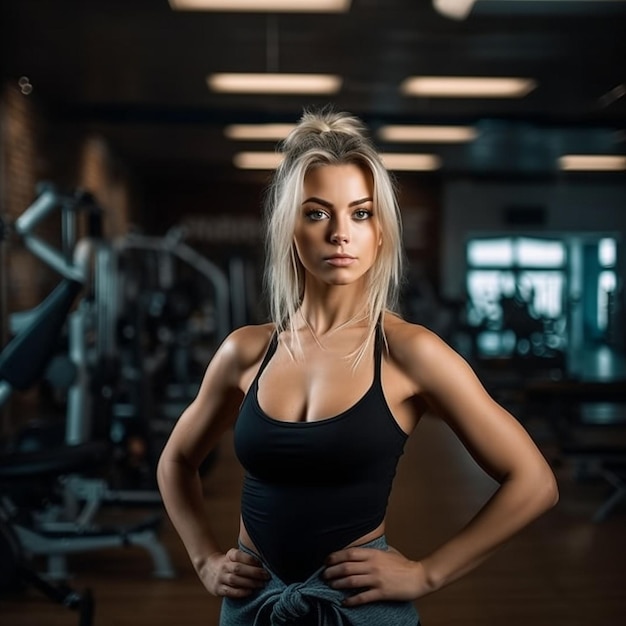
{"x":298,"y":550}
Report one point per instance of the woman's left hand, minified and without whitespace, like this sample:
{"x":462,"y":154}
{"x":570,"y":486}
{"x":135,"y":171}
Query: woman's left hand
{"x":376,"y":574}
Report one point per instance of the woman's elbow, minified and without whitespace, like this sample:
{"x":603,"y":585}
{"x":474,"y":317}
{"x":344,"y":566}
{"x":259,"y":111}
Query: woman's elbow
{"x":164,"y":468}
{"x":537,"y":488}
{"x":173,"y":466}
{"x":161,"y":472}
{"x":553,"y":491}
{"x":546,"y":489}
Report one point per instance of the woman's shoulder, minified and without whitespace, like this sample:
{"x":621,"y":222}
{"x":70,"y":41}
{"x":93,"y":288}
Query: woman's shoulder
{"x":398,"y":330}
{"x":247,"y":344}
{"x":409,"y":343}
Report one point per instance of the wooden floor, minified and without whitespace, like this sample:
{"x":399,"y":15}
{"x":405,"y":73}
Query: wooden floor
{"x":562,"y":571}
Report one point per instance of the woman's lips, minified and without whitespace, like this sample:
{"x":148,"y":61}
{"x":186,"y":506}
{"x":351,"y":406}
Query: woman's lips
{"x":340,"y":260}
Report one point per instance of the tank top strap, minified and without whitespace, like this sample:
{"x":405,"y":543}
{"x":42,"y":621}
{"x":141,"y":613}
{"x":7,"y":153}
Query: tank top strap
{"x":269,"y":353}
{"x":378,"y":352}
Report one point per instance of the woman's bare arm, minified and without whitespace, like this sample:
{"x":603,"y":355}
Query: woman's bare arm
{"x":196,"y":433}
{"x":498,"y":443}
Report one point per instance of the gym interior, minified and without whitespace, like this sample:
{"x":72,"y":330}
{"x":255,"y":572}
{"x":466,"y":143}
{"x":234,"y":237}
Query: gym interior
{"x":131,"y":246}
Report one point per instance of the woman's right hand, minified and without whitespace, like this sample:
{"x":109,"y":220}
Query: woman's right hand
{"x":235,"y":574}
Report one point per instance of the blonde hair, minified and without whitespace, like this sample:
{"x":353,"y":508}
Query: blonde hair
{"x":327,"y":138}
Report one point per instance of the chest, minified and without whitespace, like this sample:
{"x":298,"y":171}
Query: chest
{"x":325,"y":384}
{"x":312,"y":389}
{"x":363,"y":440}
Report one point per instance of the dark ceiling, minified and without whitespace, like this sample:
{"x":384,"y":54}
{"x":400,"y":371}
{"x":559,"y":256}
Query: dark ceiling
{"x":134,"y":70}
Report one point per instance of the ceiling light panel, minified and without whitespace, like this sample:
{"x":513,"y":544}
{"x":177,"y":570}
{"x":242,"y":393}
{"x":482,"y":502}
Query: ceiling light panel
{"x":592,"y":162}
{"x":275,"y":83}
{"x":427,"y":134}
{"x":408,"y":162}
{"x":411,"y":162}
{"x":467,"y":87}
{"x":257,"y":160}
{"x":279,"y":6}
{"x":258,"y":132}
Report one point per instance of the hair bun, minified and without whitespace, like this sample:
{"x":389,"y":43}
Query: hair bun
{"x":313,"y":124}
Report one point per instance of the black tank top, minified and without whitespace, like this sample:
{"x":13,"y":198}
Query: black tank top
{"x":311,"y":488}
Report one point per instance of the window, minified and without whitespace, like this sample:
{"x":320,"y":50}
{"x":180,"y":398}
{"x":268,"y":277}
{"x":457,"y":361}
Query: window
{"x":607,"y":280}
{"x":516,"y":288}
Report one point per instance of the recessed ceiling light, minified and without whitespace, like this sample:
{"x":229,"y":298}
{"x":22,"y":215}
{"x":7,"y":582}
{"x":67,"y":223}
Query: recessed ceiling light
{"x":284,"y":6}
{"x":592,"y":162}
{"x":258,"y":132}
{"x":275,"y":83}
{"x":257,"y":160}
{"x":411,"y":162}
{"x":427,"y":134}
{"x":392,"y":161}
{"x":467,"y":87}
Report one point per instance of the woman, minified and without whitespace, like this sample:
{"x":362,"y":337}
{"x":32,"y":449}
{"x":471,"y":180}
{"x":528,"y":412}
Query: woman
{"x":322,"y":401}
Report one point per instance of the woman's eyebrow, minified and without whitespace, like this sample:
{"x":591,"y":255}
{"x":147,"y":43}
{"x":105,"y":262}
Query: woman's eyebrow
{"x":361,"y":201}
{"x":318,"y":201}
{"x":327,"y":204}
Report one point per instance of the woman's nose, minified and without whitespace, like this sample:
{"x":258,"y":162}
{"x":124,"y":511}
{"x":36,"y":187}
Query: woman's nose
{"x":339,"y":238}
{"x":339,"y":233}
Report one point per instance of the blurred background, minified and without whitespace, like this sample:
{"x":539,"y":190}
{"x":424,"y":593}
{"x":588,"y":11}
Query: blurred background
{"x":136,"y":143}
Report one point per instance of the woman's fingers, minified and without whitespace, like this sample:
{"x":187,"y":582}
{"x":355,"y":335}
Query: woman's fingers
{"x":235,"y":574}
{"x":369,"y":595}
{"x":242,"y":570}
{"x":350,"y":562}
{"x":355,"y":581}
{"x":374,"y":575}
{"x":242,"y":564}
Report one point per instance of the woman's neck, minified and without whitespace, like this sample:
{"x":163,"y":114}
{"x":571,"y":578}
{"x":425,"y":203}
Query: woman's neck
{"x":331,"y":314}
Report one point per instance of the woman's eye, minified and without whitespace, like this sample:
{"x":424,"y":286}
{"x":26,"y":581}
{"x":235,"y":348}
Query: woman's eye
{"x":316,"y":215}
{"x":362,"y":214}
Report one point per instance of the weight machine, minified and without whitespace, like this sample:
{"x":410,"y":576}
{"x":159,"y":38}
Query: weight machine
{"x":66,"y":522}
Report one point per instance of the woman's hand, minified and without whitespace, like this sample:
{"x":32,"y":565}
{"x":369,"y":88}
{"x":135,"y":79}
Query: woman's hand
{"x":377,"y":574}
{"x":235,"y":574}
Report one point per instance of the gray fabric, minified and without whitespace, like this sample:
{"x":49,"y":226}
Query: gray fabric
{"x":312,"y":603}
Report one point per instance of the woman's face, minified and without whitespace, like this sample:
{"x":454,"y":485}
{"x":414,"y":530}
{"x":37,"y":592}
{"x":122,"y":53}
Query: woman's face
{"x":337,"y":233}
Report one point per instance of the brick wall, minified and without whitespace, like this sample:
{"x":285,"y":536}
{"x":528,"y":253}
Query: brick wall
{"x":22,"y":274}
{"x":104,"y":175}
{"x":20,"y":126}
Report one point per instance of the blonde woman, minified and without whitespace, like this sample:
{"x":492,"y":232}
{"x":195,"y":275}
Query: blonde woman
{"x":322,"y":401}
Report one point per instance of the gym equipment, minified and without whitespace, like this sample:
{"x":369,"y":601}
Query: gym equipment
{"x":22,"y":362}
{"x":64,"y":521}
{"x":50,"y":531}
{"x":152,"y":312}
{"x":14,"y":572}
{"x":171,"y":310}
{"x":25,"y":358}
